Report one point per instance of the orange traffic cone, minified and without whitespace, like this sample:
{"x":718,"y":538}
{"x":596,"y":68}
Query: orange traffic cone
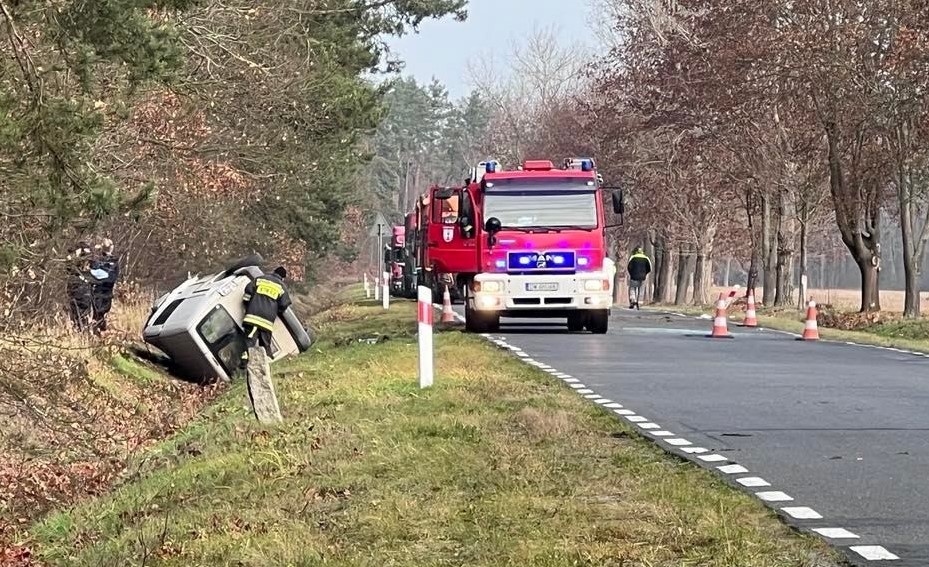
{"x":720,"y":328}
{"x":751,"y":318}
{"x":448,"y":316}
{"x":811,"y":330}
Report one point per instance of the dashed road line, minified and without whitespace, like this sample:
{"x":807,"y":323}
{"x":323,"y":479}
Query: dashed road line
{"x":774,"y":496}
{"x":753,"y":482}
{"x":677,"y":442}
{"x":802,"y":513}
{"x":732,"y":469}
{"x":714,"y":458}
{"x":835,"y":533}
{"x":873,"y":552}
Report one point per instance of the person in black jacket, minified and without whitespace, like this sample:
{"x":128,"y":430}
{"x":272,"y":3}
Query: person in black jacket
{"x":266,"y":298}
{"x":105,"y":270}
{"x":639,"y":267}
{"x":79,"y":286}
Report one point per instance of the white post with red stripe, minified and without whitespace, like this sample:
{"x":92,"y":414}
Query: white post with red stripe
{"x":425,"y":318}
{"x":386,"y":291}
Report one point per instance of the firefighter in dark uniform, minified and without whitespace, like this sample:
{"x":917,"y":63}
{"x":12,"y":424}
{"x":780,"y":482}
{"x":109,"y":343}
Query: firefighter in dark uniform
{"x":266,"y":298}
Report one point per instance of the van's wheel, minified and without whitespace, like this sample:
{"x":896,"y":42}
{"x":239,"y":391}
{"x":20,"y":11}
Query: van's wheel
{"x":575,"y":322}
{"x":598,"y":322}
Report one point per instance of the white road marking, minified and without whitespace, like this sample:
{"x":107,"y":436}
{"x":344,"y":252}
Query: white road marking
{"x":662,"y":433}
{"x":835,"y":533}
{"x":873,"y":552}
{"x":614,"y":405}
{"x":637,"y":419}
{"x":774,"y":496}
{"x":695,"y":450}
{"x":753,"y":481}
{"x":649,"y":425}
{"x":585,"y":391}
{"x":591,"y":396}
{"x":802,"y":513}
{"x":603,"y":401}
{"x":678,"y":442}
{"x":733,"y":469}
{"x":714,"y":458}
{"x":570,"y":380}
{"x":623,"y":412}
{"x":576,"y":386}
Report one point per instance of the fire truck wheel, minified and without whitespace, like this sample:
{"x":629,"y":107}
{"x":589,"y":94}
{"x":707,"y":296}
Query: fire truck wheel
{"x":576,"y":322}
{"x":477,"y":322}
{"x":598,"y":322}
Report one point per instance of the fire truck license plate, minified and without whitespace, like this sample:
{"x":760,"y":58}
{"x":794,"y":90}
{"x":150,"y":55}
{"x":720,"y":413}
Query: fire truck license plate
{"x":541,"y":287}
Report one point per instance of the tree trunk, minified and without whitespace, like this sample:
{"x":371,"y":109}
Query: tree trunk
{"x":785,"y":250}
{"x":701,"y":281}
{"x":804,"y":278}
{"x":726,"y":273}
{"x":650,"y":248}
{"x":768,"y":252}
{"x":684,"y":269}
{"x":663,"y":285}
{"x":910,"y":261}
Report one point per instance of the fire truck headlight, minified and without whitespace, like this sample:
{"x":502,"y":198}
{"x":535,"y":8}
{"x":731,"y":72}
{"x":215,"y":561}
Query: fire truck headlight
{"x":487,"y":302}
{"x":596,"y":285}
{"x":491,"y":286}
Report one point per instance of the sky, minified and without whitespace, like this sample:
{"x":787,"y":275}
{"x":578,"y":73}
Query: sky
{"x":443,"y":48}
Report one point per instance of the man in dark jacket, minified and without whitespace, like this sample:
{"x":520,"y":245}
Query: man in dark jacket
{"x":266,"y":298}
{"x":79,"y":286}
{"x":105,"y":269}
{"x":639,"y":267}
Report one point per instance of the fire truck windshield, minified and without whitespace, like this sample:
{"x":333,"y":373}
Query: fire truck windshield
{"x":543,"y":209}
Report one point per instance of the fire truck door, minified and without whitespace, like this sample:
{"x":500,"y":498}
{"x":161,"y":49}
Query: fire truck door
{"x":453,"y":252}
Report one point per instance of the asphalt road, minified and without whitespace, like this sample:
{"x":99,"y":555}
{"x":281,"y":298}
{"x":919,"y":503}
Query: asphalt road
{"x":842,"y":430}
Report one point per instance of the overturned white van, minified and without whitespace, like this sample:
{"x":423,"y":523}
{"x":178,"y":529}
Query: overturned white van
{"x":199,"y":325}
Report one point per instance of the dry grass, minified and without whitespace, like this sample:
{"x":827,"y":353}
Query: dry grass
{"x":497,"y":465}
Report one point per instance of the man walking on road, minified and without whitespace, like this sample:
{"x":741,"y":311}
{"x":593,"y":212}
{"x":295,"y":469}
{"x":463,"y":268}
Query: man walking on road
{"x":639,"y":267}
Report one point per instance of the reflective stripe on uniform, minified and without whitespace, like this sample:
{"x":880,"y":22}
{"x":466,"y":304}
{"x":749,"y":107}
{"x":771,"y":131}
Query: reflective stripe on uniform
{"x":259,"y":322}
{"x":268,"y":288}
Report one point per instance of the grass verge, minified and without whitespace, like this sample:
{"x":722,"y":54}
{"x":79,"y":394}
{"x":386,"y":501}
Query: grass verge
{"x":496,"y":465}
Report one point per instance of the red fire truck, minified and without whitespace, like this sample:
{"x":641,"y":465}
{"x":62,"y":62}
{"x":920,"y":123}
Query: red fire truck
{"x":395,"y":260}
{"x":523,"y":243}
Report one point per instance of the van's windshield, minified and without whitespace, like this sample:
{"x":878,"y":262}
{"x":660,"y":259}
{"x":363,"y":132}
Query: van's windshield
{"x":223,"y":337}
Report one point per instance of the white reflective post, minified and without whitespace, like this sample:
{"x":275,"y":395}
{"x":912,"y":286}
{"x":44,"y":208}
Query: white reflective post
{"x":367,"y":287}
{"x":377,"y":290}
{"x":386,"y":290}
{"x":425,"y":318}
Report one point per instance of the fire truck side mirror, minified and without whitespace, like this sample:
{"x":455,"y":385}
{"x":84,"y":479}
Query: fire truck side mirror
{"x":493,"y":226}
{"x":619,"y":204}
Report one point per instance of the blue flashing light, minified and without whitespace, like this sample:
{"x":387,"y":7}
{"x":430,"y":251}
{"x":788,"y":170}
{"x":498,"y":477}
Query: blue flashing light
{"x":490,"y":167}
{"x":587,"y":165}
{"x":524,"y":260}
{"x":558,"y":259}
{"x":583,"y":261}
{"x":501,"y":264}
